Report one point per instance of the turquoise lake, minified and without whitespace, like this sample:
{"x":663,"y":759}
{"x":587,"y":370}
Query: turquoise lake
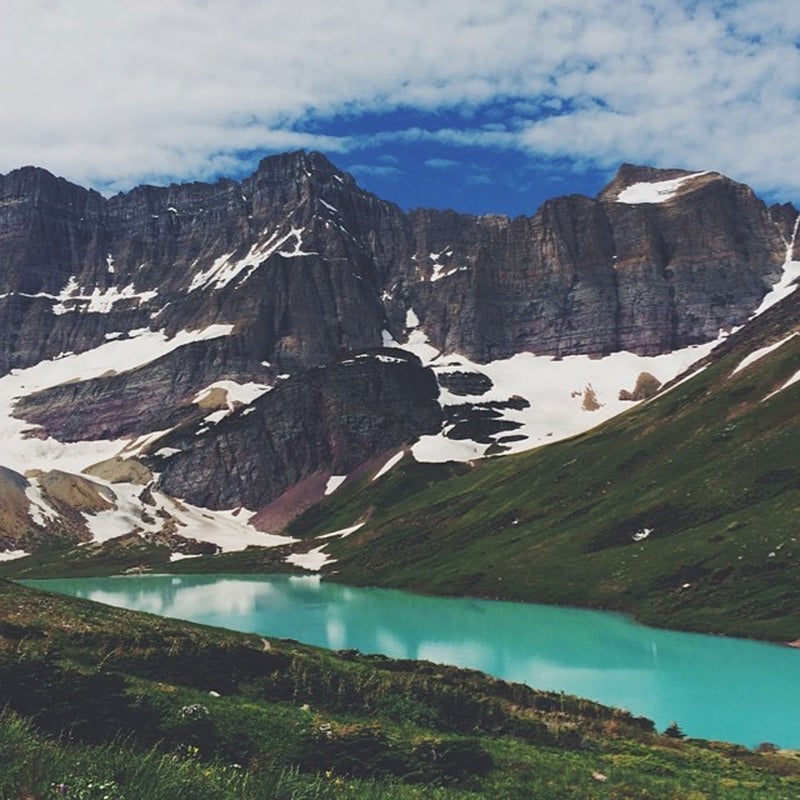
{"x":714,"y":687}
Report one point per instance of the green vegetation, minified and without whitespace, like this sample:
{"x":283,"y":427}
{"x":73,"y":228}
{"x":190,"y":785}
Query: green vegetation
{"x":683,"y":511}
{"x":106,"y":703}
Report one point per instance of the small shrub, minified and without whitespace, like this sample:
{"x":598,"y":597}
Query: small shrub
{"x":673,"y":731}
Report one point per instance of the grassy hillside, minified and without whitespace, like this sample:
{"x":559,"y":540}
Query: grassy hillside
{"x":683,"y":511}
{"x":105,"y":703}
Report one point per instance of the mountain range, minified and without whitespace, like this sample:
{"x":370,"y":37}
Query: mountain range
{"x":196,"y":369}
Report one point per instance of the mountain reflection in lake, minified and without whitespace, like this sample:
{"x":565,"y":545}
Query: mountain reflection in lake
{"x":718,"y":688}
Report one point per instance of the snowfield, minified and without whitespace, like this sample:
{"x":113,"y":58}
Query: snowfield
{"x":655,"y":191}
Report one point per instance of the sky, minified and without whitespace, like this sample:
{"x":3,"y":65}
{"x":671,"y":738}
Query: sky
{"x":484,"y":107}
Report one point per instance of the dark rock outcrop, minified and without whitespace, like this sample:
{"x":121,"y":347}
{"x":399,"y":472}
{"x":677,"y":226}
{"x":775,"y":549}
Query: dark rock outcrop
{"x":329,"y":419}
{"x":785,"y":216}
{"x":646,"y":387}
{"x":155,"y":396}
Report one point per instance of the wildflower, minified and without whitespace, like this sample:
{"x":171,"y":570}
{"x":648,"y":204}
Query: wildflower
{"x":194,"y":711}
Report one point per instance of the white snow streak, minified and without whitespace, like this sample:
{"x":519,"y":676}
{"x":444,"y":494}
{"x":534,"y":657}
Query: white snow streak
{"x":10,"y":555}
{"x":341,"y":533}
{"x":223,"y":270}
{"x":393,"y":461}
{"x":334,"y":482}
{"x":656,"y":191}
{"x":789,"y":279}
{"x":760,"y":353}
{"x":794,"y":379}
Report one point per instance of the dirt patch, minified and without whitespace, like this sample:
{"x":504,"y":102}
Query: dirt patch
{"x":121,"y":470}
{"x":74,"y":491}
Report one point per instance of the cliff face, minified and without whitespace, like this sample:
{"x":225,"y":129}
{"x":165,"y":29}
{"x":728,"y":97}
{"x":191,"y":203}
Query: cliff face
{"x":306,"y":265}
{"x":300,"y":269}
{"x":327,"y":420}
{"x":598,"y":276}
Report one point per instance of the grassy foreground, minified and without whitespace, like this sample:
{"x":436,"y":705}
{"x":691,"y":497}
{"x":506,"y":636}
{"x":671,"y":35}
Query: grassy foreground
{"x":105,"y":703}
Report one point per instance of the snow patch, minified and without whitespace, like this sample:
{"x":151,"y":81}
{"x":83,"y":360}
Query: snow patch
{"x":22,"y":454}
{"x":140,"y":443}
{"x":334,"y":482}
{"x":229,"y":530}
{"x":760,"y":353}
{"x":39,"y":509}
{"x":235,"y":393}
{"x":440,"y":272}
{"x":384,"y":359}
{"x":10,"y":555}
{"x":298,"y":248}
{"x":393,"y":461}
{"x":106,"y":525}
{"x":555,"y":391}
{"x":314,"y":560}
{"x":98,"y":302}
{"x":417,"y":343}
{"x":166,"y":452}
{"x":656,"y":191}
{"x":342,"y":532}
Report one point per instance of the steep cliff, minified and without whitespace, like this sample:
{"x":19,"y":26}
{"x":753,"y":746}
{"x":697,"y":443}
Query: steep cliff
{"x":325,"y":420}
{"x":239,"y":324}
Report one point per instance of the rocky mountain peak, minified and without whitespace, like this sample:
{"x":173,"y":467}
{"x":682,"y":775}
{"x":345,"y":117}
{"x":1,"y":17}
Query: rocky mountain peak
{"x":259,"y":292}
{"x":630,"y":174}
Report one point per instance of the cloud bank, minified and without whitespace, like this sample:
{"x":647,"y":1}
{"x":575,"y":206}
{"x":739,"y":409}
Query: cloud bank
{"x":113,"y":94}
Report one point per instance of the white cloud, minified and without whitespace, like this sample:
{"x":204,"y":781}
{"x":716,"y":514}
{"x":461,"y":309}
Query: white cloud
{"x":441,"y":163}
{"x":381,"y":170}
{"x":111,"y":93}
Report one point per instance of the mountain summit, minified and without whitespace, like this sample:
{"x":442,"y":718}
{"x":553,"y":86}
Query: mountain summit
{"x":195,"y":364}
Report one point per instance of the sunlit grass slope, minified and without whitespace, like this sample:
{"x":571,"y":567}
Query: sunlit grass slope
{"x":683,"y":511}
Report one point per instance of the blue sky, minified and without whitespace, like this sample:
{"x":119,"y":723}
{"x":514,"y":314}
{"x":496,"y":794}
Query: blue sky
{"x":482,"y":107}
{"x":419,"y":170}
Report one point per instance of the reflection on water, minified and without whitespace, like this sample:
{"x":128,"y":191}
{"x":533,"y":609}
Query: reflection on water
{"x":714,"y":687}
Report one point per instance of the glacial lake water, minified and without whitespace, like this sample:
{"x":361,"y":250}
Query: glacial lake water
{"x":716,"y":688}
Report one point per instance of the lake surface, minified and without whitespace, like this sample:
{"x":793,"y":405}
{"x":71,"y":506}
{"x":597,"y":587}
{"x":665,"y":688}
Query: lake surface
{"x":716,"y":688}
